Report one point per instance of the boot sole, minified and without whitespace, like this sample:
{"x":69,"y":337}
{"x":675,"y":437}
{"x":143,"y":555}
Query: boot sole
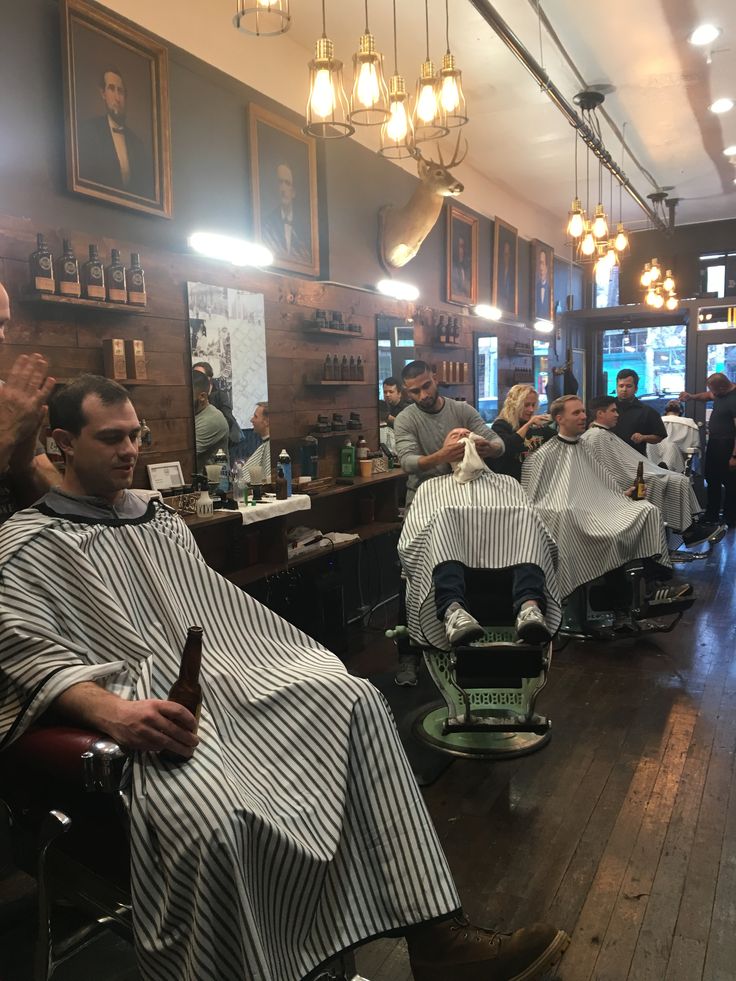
{"x":547,"y":960}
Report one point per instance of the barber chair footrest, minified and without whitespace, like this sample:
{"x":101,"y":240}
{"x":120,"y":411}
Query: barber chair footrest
{"x":495,"y":723}
{"x":430,"y":725}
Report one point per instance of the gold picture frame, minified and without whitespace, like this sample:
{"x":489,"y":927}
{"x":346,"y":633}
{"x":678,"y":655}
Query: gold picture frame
{"x":283,"y":164}
{"x":505,"y":267}
{"x":116,"y":107}
{"x":541,"y":280}
{"x":462,"y":257}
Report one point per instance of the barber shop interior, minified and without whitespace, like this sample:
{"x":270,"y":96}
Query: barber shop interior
{"x":367,"y":490}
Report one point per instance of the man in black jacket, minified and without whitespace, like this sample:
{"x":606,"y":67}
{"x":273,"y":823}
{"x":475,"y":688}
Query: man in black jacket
{"x":638,"y":424}
{"x":110,"y":153}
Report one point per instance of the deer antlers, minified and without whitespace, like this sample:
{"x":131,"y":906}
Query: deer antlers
{"x":454,"y":162}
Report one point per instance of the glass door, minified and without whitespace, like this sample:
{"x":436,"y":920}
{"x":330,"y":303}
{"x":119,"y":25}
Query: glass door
{"x":716,"y":352}
{"x":486,"y":375}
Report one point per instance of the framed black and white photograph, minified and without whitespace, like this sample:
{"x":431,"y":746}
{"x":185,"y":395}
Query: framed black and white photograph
{"x":505,"y":259}
{"x":165,"y":476}
{"x":542,"y":300}
{"x":462,"y":257}
{"x":116,"y":102}
{"x":284,"y":189}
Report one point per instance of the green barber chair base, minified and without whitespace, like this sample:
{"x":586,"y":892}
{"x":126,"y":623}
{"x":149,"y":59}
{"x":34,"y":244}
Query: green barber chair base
{"x":489,"y":688}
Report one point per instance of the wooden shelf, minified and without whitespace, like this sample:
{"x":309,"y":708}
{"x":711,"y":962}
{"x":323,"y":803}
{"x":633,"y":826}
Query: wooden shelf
{"x":126,"y":382}
{"x":74,"y":301}
{"x":319,"y":382}
{"x":334,"y":331}
{"x":345,"y":432}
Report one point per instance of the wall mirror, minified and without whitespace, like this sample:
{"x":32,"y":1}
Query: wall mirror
{"x":396,"y":348}
{"x":228,"y":333}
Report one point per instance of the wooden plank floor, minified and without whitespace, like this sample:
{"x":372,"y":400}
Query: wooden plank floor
{"x":623,"y":829}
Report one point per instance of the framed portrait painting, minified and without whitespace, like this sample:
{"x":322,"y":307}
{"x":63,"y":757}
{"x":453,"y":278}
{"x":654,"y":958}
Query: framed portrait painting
{"x":283,"y":163}
{"x":505,"y":259}
{"x":542,"y":281}
{"x":116,"y":104}
{"x":462,"y":257}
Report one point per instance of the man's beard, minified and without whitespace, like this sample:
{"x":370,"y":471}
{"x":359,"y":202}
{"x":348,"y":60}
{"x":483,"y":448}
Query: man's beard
{"x":429,"y":407}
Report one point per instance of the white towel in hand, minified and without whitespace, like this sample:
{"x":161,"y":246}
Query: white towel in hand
{"x":471,"y":465}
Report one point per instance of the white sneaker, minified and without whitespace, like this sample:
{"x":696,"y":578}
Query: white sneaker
{"x":460,"y":627}
{"x":531,"y":627}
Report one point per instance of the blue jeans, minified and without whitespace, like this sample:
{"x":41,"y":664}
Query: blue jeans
{"x":449,"y":586}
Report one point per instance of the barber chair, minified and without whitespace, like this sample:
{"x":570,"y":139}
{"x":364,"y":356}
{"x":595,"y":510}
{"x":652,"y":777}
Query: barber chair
{"x":489,"y":688}
{"x":615,"y":606}
{"x":62,"y":787}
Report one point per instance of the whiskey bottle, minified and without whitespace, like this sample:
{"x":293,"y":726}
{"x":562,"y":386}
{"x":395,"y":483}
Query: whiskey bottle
{"x":442,"y":330}
{"x":187,"y":690}
{"x":42,"y":267}
{"x":360,"y":369}
{"x":115,"y":276}
{"x":344,"y":369}
{"x":327,"y":369}
{"x":93,"y":276}
{"x":640,"y":488}
{"x":68,"y":272}
{"x":352,"y":370}
{"x":136,"y":282}
{"x":335,"y":368}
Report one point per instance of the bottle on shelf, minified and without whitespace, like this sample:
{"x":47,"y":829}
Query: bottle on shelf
{"x":309,"y":458}
{"x":360,"y":369}
{"x":442,"y":330}
{"x":335,"y":368}
{"x":352,"y":370}
{"x":327,"y":369}
{"x":136,"y":281}
{"x":223,"y":486}
{"x":361,"y":450}
{"x":68,"y":272}
{"x":345,"y":369}
{"x":145,"y":438}
{"x":115,"y":276}
{"x":42,"y":267}
{"x":187,"y":690}
{"x":347,"y":459}
{"x":639,"y":492}
{"x":93,"y":276}
{"x":284,"y":467}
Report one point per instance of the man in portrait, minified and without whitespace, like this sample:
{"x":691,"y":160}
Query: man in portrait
{"x":507,"y":278}
{"x":110,"y":153}
{"x":462,"y":281}
{"x":542,"y":289}
{"x":284,"y":231}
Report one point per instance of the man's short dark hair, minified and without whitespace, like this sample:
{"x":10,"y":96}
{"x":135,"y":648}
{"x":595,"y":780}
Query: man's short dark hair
{"x":205,"y":366}
{"x":414,"y":369}
{"x":200,"y":384}
{"x":65,"y":407}
{"x":391,"y":381}
{"x":628,"y":373}
{"x":674,"y":405}
{"x":600,"y":403}
{"x":111,"y":70}
{"x":264,"y":406}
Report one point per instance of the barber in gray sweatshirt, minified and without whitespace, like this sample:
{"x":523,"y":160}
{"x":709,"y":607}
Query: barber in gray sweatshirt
{"x":423,"y":428}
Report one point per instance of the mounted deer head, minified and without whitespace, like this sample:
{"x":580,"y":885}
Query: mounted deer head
{"x":401,"y":231}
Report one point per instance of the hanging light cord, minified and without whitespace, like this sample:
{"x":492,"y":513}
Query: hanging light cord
{"x":576,"y":164}
{"x":447,"y":24}
{"x":426,"y":24}
{"x":366,"y":17}
{"x":324,"y":21}
{"x":396,"y":48}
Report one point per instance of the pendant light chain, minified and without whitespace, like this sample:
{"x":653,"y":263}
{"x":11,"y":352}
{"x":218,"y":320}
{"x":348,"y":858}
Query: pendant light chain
{"x":366,"y":16}
{"x":426,"y":24}
{"x":324,"y":20}
{"x":447,"y":24}
{"x":396,"y":48}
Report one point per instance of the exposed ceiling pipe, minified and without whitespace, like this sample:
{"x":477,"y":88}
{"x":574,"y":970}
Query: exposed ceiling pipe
{"x":494,"y":20}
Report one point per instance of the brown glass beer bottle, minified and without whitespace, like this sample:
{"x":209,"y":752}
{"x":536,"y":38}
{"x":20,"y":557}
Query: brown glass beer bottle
{"x":186,"y":690}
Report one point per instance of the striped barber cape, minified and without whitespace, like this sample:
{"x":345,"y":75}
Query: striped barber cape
{"x":596,"y":528}
{"x":486,"y":523}
{"x":297,"y":829}
{"x":668,"y":491}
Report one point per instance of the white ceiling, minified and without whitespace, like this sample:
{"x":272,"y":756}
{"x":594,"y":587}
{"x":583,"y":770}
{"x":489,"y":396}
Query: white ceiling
{"x":520,"y":156}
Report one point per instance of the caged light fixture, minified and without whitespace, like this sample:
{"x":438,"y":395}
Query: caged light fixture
{"x":659,"y":291}
{"x":452,"y":97}
{"x":397,"y":133}
{"x":327,"y":104}
{"x":369,"y":98}
{"x":264,"y":18}
{"x":429,"y":114}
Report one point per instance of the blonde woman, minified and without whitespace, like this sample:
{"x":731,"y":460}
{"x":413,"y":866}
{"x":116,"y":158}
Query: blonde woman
{"x":521,"y":429}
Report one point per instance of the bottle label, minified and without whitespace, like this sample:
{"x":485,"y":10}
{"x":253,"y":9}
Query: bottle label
{"x":70,"y":268}
{"x":116,"y":295}
{"x":117,"y":276}
{"x":43,"y":284}
{"x":136,"y":279}
{"x":70,"y":288}
{"x":95,"y":272}
{"x":44,"y":262}
{"x":95,"y":292}
{"x":137,"y":299}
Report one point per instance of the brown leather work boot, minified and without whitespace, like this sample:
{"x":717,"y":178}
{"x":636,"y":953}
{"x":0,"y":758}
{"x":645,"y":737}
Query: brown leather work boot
{"x":454,"y":950}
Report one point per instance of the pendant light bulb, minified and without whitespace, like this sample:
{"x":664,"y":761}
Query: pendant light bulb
{"x":600,"y":225}
{"x":587,"y":246}
{"x":671,"y":302}
{"x":650,"y":297}
{"x":368,"y":88}
{"x":449,"y":93}
{"x":398,"y":121}
{"x":427,"y":98}
{"x":646,"y":276}
{"x":622,"y":241}
{"x":327,"y":105}
{"x":576,"y":225}
{"x":369,"y":98}
{"x":655,"y":272}
{"x":322,"y":101}
{"x":668,"y":283}
{"x":397,"y":136}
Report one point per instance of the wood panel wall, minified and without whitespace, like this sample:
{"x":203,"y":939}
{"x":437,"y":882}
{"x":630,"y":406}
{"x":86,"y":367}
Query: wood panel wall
{"x":71,"y":338}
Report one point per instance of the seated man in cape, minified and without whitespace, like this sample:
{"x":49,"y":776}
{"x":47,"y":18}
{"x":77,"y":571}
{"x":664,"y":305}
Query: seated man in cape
{"x":292,"y":857}
{"x":596,"y":526}
{"x":451,"y":526}
{"x":668,"y":491}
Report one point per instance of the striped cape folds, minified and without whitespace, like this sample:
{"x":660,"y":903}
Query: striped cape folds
{"x":297,"y":828}
{"x":596,"y":528}
{"x":682,"y":436}
{"x":670,"y":492}
{"x":487,"y":523}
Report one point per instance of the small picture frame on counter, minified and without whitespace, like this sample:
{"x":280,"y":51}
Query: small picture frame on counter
{"x":165,"y":477}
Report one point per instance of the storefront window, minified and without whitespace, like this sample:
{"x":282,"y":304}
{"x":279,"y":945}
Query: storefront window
{"x":657,"y":355}
{"x":716,"y":318}
{"x":606,"y":285}
{"x":722,"y":357}
{"x":541,"y":370}
{"x":486,"y":376}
